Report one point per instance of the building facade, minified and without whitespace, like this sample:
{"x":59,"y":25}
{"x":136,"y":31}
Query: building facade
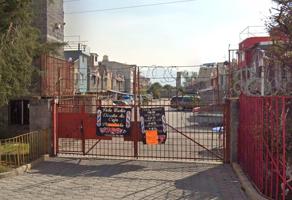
{"x":122,"y":75}
{"x":94,"y":76}
{"x":81,"y":60}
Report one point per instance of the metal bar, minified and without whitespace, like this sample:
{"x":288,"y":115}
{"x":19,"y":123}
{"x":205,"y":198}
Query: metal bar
{"x":226,"y":140}
{"x":135,"y":128}
{"x":284,"y":147}
{"x":92,"y":146}
{"x":54,"y":129}
{"x":195,"y":142}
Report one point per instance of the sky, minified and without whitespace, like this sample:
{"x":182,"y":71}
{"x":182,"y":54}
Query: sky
{"x":180,"y":34}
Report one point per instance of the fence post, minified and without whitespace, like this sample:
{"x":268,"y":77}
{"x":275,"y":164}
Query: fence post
{"x":135,"y":128}
{"x":233,"y":129}
{"x":284,"y":147}
{"x":82,"y":131}
{"x":54,"y":128}
{"x":226,"y":139}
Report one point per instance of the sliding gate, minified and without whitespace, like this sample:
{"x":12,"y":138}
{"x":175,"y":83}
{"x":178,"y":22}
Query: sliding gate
{"x":184,"y":133}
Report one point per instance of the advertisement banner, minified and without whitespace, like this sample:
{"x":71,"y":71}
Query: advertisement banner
{"x":113,"y":121}
{"x":153,"y":120}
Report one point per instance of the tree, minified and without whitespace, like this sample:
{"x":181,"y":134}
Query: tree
{"x":168,"y":88}
{"x":279,"y":26}
{"x":155,"y":89}
{"x":19,"y":45}
{"x":280,"y":54}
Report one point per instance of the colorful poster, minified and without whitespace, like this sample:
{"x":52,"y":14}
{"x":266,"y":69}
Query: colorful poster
{"x":113,"y":121}
{"x":153,"y":119}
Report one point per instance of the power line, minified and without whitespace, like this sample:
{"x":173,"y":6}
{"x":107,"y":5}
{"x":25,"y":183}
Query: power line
{"x":128,"y":7}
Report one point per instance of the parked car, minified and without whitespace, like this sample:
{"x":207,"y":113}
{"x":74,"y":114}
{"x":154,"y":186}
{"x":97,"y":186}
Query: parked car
{"x":184,"y":102}
{"x":120,"y":103}
{"x":129,"y":99}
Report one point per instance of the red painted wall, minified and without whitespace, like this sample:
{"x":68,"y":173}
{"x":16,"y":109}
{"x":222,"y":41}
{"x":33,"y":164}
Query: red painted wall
{"x":245,"y":47}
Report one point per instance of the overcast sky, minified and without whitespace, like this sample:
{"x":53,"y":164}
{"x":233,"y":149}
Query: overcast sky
{"x":181,"y":34}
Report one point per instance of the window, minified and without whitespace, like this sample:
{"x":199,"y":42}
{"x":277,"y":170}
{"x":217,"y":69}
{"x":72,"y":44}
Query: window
{"x":81,"y":77}
{"x":19,"y":112}
{"x":94,"y":79}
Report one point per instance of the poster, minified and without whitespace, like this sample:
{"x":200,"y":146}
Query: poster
{"x":113,"y":121}
{"x":153,"y":120}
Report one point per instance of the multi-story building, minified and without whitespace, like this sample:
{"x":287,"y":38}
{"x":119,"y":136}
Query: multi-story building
{"x":144,"y":82}
{"x":255,"y":70}
{"x":81,"y":59}
{"x":122,"y":75}
{"x":247,"y":50}
{"x":203,"y":84}
{"x":94,"y":75}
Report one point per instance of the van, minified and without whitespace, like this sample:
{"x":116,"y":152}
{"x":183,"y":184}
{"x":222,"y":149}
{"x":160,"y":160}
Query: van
{"x":184,"y":102}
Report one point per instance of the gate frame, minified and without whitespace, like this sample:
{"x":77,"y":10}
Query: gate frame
{"x":134,"y":136}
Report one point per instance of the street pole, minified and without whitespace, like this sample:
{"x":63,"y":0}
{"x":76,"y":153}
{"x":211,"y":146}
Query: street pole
{"x":135,"y":124}
{"x":218,"y":92}
{"x":139,"y":93}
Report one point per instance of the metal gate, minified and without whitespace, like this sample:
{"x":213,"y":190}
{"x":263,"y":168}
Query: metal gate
{"x":194,"y":130}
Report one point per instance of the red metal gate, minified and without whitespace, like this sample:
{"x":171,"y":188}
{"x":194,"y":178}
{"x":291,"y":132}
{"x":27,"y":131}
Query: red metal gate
{"x":265,"y":144}
{"x":192,"y":133}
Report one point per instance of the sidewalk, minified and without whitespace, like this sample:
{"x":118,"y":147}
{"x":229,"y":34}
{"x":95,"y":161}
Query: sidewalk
{"x":70,"y":179}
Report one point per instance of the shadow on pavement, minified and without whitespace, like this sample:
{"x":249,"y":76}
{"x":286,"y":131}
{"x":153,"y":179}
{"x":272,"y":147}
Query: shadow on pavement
{"x":211,"y":184}
{"x":73,"y":168}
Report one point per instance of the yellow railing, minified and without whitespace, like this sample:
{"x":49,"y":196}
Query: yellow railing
{"x":23,"y":149}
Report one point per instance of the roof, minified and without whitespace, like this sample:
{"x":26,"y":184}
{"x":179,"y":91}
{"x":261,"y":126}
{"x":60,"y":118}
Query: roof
{"x":252,"y":41}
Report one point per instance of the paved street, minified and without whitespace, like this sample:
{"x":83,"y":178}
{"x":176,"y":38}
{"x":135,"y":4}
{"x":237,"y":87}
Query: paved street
{"x":62,"y":178}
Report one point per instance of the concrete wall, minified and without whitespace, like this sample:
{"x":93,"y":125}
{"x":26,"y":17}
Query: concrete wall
{"x":234,"y":124}
{"x":55,"y":16}
{"x":40,"y":114}
{"x":48,"y":15}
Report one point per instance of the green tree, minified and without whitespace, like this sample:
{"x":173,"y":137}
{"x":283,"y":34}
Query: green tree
{"x":155,"y":90}
{"x":168,"y":88}
{"x":279,"y":26}
{"x":19,"y":45}
{"x":280,"y":54}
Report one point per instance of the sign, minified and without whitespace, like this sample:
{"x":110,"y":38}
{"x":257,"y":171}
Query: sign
{"x":111,"y":121}
{"x":151,"y":137}
{"x":153,"y":120}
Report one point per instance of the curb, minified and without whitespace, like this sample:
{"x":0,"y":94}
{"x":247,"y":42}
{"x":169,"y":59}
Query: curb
{"x":24,"y":168}
{"x":246,"y":185}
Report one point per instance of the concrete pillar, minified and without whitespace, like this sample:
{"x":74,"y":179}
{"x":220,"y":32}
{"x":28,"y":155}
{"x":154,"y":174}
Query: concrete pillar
{"x":234,"y":125}
{"x":40,"y":116}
